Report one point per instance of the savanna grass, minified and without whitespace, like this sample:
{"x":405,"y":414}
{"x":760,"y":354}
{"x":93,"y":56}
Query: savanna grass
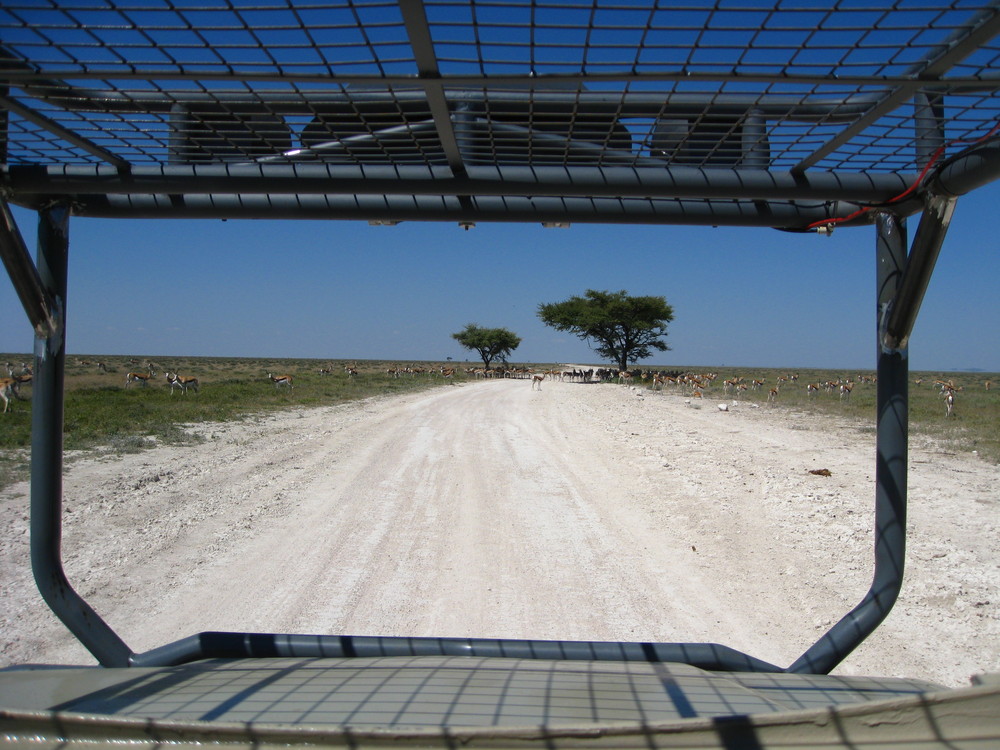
{"x":973,"y":426}
{"x":101,"y":412}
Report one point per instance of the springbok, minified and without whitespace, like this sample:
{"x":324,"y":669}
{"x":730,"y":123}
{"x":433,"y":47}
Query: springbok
{"x":138,"y":377}
{"x":8,"y":390}
{"x":181,"y":381}
{"x":280,"y":380}
{"x":537,"y":379}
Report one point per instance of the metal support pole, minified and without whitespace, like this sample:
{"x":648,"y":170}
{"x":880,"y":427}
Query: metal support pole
{"x":897,"y":323}
{"x":46,"y":454}
{"x":890,"y":471}
{"x":23,"y":275}
{"x":929,"y":119}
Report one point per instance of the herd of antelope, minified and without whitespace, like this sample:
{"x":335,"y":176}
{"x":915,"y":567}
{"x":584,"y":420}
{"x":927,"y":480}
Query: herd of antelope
{"x":698,"y":384}
{"x":695,"y":385}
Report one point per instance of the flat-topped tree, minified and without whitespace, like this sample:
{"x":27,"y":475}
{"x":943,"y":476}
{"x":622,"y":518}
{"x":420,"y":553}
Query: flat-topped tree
{"x":490,"y":343}
{"x":617,"y":326}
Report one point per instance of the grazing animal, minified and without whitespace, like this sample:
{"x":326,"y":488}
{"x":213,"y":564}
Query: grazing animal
{"x":949,"y":401}
{"x":142,"y":378}
{"x":8,"y":390}
{"x":280,"y":380}
{"x":537,"y":380}
{"x":181,"y":381}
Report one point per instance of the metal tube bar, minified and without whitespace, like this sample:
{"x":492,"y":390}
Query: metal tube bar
{"x":66,"y":134}
{"x":215,"y":645}
{"x":407,"y":91}
{"x":931,"y":232}
{"x":890,"y":473}
{"x":929,"y":120}
{"x":24,"y":276}
{"x":784,"y":215}
{"x":584,"y":149}
{"x":334,"y":148}
{"x":46,"y":455}
{"x":968,"y":170}
{"x":421,"y":42}
{"x":646,"y":178}
{"x":40,"y":86}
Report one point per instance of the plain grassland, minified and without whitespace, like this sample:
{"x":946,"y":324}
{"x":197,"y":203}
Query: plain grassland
{"x":101,"y":414}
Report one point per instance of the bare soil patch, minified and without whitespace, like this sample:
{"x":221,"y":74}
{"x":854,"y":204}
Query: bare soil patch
{"x":490,"y":509}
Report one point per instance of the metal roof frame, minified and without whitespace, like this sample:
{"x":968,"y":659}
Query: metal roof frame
{"x":782,"y":114}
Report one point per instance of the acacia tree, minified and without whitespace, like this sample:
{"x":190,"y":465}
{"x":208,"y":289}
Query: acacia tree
{"x":490,"y":343}
{"x":617,"y":326}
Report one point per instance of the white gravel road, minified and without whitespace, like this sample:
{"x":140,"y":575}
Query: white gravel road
{"x":491,"y":509}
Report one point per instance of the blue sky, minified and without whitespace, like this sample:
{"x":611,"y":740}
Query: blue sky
{"x":345,"y":290}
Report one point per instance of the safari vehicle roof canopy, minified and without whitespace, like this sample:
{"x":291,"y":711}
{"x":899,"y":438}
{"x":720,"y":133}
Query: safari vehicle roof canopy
{"x":791,"y":114}
{"x":797,"y":115}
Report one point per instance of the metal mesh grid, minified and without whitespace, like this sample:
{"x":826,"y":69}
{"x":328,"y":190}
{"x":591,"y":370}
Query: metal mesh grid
{"x":719,"y":83}
{"x":465,"y":691}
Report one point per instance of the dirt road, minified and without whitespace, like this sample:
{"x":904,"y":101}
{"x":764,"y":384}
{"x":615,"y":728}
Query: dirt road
{"x":494,"y":510}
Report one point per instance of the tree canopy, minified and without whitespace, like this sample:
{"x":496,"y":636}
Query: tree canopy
{"x":617,"y":326}
{"x":490,"y":343}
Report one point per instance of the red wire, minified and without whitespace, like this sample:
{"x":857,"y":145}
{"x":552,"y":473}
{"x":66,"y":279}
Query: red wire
{"x":920,"y":178}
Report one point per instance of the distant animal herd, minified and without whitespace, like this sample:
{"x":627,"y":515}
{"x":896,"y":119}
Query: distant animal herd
{"x":695,"y":385}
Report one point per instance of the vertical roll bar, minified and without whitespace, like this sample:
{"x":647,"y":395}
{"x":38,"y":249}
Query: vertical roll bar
{"x":890,"y":469}
{"x":46,"y":453}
